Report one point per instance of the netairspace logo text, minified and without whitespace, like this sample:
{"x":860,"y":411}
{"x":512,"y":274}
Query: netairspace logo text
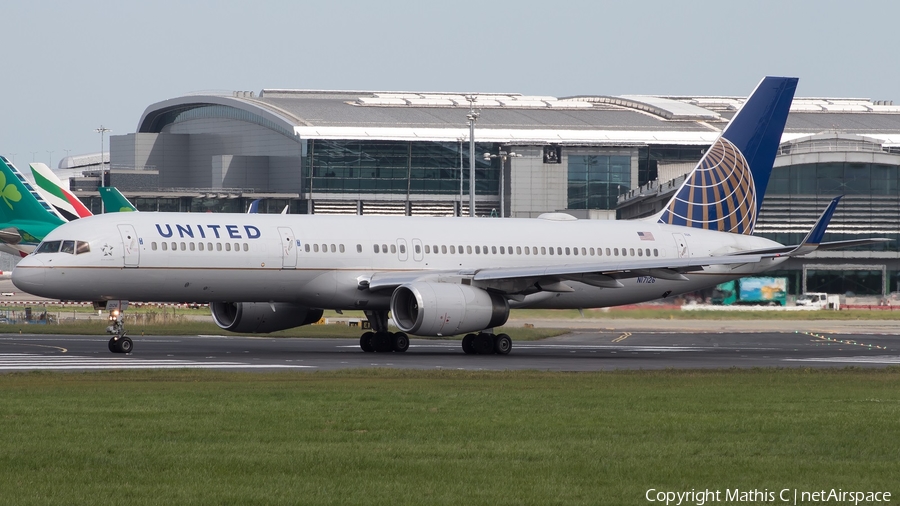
{"x":784,"y":496}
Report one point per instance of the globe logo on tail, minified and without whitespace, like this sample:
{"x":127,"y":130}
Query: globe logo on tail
{"x":718,"y":195}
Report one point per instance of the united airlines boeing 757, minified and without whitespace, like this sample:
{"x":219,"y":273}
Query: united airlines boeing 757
{"x":436,"y":276}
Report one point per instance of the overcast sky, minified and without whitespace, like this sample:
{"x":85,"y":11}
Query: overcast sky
{"x":74,"y":65}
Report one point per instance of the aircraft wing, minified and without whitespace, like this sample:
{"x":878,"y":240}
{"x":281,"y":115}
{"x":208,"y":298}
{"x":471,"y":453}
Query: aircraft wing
{"x":551,"y":278}
{"x":795,"y":250}
{"x":664,"y":268}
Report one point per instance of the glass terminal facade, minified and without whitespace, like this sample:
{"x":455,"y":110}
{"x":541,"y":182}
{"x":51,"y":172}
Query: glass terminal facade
{"x":398,"y":167}
{"x":595,"y":181}
{"x":808,"y":173}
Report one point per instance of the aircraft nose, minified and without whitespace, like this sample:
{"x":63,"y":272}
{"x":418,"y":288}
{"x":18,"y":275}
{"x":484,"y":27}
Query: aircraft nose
{"x":29,"y":274}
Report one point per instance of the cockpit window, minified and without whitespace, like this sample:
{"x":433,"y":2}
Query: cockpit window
{"x":82,"y":247}
{"x":68,"y":247}
{"x":49,"y":247}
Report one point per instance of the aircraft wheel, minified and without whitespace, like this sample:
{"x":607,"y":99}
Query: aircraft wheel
{"x":399,"y":342}
{"x":484,"y":344}
{"x":365,"y":342}
{"x":502,"y":344}
{"x":382,"y":342}
{"x":467,"y":345}
{"x":113,"y":346}
{"x":125,"y":345}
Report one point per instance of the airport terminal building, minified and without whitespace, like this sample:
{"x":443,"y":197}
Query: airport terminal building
{"x":593,"y":156}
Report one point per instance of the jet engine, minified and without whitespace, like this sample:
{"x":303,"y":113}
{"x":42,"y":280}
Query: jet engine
{"x":445,"y":309}
{"x":261,"y":317}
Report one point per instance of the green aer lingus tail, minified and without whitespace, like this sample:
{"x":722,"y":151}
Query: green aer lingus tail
{"x":25,"y":218}
{"x":114,"y":201}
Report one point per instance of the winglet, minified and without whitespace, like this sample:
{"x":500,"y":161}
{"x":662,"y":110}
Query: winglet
{"x":814,"y":237}
{"x":254,"y":207}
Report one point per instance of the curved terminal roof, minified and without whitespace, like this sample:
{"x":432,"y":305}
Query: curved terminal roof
{"x":514,"y":118}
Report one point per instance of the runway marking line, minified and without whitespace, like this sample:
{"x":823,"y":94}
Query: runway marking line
{"x":621,"y":338}
{"x":60,"y":348}
{"x":17,"y":362}
{"x":893,"y":360}
{"x":843,"y":341}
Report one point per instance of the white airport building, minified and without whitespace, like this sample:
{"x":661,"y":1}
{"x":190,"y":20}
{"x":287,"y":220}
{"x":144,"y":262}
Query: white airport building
{"x":593,"y":156}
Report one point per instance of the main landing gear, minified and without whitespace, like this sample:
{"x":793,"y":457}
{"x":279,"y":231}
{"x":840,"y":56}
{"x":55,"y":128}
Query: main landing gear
{"x":120,"y":343}
{"x":484,"y":343}
{"x":382,"y":340}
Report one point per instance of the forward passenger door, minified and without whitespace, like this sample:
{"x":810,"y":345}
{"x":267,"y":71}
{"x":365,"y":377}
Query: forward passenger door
{"x":288,"y":248}
{"x":131,"y":245}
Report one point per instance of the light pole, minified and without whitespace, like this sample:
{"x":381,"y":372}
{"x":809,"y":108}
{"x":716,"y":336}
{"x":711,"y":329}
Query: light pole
{"x":472,"y":117}
{"x":503,"y":156}
{"x":33,"y":154}
{"x":460,"y":139}
{"x":102,"y":130}
{"x":50,"y":155}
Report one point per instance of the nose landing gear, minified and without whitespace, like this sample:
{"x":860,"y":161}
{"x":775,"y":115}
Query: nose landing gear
{"x":120,"y":343}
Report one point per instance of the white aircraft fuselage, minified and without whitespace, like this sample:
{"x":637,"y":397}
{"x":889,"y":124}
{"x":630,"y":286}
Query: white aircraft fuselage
{"x":328,"y":261}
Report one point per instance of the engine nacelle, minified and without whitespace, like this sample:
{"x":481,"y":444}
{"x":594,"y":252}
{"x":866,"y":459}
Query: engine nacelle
{"x":445,"y":309}
{"x":258,"y":317}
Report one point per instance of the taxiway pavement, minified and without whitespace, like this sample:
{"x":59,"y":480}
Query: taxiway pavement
{"x":589,"y":349}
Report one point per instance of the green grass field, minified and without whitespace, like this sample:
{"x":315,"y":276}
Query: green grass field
{"x":406,"y":437}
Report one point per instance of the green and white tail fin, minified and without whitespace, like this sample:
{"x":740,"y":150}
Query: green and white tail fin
{"x":23,"y":212}
{"x":114,"y":201}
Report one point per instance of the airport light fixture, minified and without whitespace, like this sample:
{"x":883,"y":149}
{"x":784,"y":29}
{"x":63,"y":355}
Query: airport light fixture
{"x":102,"y":130}
{"x":472,"y":117}
{"x":50,"y":155}
{"x":503,"y":156}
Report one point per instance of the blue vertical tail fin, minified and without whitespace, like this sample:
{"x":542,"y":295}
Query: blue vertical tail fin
{"x":725,"y":190}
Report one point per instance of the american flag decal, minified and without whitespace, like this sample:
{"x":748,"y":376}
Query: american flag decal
{"x":646,"y":236}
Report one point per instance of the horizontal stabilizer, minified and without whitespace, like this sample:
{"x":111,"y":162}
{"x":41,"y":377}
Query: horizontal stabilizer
{"x":813,"y":239}
{"x":10,"y":235}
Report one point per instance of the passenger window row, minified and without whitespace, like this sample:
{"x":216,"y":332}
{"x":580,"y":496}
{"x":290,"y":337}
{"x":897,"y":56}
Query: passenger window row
{"x":200,"y":246}
{"x":542,"y":250}
{"x":315,"y":248}
{"x":453,"y":249}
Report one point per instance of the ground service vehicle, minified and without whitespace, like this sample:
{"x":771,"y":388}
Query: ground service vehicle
{"x":755,"y":291}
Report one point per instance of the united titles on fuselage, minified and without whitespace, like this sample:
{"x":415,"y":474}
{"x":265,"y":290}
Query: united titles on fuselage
{"x":232,"y":231}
